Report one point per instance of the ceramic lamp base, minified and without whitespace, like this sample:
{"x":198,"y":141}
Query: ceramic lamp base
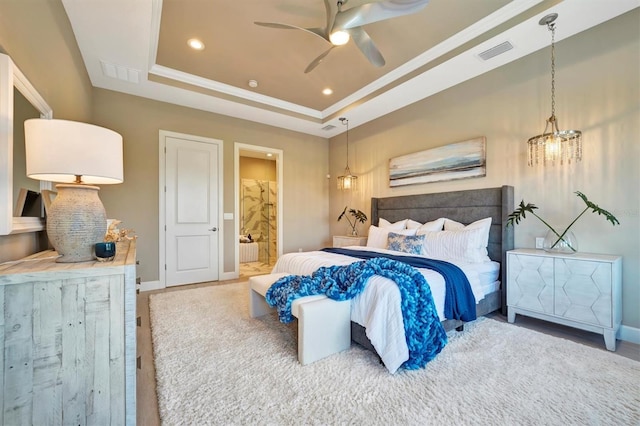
{"x":76,"y":221}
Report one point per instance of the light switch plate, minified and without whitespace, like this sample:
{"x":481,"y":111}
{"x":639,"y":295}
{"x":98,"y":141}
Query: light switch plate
{"x":228,"y":216}
{"x":539,"y":242}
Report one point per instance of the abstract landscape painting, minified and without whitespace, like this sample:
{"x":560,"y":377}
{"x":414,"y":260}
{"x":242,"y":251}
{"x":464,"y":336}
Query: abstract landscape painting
{"x":461,"y":160}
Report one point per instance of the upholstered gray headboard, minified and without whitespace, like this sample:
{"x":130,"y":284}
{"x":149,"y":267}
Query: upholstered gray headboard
{"x":461,"y":206}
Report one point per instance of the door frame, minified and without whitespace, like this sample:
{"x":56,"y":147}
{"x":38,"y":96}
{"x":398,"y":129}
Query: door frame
{"x":162,"y":220}
{"x":236,"y":185}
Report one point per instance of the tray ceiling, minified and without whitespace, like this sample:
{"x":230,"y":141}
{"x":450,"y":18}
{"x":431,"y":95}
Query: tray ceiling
{"x":140,"y":47}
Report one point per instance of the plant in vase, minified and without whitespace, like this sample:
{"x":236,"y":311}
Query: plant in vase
{"x":358,"y":216}
{"x":565,"y":241}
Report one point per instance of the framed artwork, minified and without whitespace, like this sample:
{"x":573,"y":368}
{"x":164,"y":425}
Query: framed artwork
{"x":461,"y":160}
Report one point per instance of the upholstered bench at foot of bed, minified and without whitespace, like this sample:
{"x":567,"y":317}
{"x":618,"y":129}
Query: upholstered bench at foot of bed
{"x":324,"y":325}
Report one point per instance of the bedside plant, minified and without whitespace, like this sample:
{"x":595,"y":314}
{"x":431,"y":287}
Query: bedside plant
{"x":565,"y":241}
{"x":358,"y":216}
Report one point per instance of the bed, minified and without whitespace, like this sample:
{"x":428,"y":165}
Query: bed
{"x":464,"y":207}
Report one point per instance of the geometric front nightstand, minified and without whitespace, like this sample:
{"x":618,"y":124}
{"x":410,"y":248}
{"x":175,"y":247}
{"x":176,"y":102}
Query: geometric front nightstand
{"x":581,"y":290}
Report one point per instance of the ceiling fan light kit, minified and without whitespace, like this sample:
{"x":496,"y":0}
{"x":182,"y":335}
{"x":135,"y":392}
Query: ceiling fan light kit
{"x":339,"y":38}
{"x":348,"y":25}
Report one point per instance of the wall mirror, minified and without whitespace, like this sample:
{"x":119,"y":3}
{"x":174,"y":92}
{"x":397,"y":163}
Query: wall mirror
{"x":19,"y":100}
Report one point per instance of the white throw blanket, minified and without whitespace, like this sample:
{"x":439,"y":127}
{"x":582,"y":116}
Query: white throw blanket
{"x":377,"y":308}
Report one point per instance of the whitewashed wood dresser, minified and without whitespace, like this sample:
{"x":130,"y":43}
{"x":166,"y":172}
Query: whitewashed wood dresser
{"x":68,"y":334}
{"x":579,"y":290}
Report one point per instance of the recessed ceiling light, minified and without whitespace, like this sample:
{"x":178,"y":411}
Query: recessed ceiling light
{"x":253,"y":83}
{"x":327,"y":91}
{"x":195,"y":44}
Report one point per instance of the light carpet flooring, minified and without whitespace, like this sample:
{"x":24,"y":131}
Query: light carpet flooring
{"x":216,"y":365}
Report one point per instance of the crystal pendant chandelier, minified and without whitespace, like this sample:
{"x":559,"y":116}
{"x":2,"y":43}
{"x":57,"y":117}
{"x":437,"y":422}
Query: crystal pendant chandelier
{"x":556,"y":146}
{"x":347,"y":181}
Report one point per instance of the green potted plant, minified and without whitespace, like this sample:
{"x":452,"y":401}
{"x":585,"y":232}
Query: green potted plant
{"x":358,"y":216}
{"x":564,"y":241}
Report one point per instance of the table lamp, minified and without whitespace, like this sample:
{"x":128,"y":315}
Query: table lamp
{"x":76,"y":155}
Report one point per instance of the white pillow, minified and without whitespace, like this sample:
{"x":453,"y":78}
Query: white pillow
{"x":412,"y":224}
{"x":397,"y":226}
{"x":378,"y":236}
{"x":483,"y":224}
{"x":435,"y":225}
{"x":460,"y":245}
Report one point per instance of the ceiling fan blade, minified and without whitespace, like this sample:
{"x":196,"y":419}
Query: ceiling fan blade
{"x":366,"y":46}
{"x":376,"y":11}
{"x":317,"y":60}
{"x":330,"y":16}
{"x":319,"y":32}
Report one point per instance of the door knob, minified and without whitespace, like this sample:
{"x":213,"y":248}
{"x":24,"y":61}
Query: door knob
{"x":214,"y":229}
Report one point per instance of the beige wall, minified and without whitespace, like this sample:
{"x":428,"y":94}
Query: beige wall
{"x":597,"y":92}
{"x":135,"y":202}
{"x":257,"y":168}
{"x":38,"y":37}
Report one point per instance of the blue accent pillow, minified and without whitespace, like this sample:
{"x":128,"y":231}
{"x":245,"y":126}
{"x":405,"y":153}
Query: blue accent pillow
{"x":411,"y":244}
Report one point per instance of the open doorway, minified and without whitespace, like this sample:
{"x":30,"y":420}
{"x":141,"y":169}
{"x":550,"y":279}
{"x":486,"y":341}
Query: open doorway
{"x":258,"y":195}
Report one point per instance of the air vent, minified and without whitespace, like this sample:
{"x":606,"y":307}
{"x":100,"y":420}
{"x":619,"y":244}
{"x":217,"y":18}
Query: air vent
{"x":120,"y":72}
{"x":495,"y":51}
{"x":328,"y":127}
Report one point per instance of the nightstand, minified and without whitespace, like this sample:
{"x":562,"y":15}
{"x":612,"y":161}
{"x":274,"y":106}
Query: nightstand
{"x":347,"y":240}
{"x":579,"y":290}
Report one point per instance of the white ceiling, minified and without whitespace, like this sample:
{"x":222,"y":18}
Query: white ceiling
{"x":137,"y":47}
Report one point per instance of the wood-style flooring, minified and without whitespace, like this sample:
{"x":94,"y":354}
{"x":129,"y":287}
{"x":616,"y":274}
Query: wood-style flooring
{"x":147,"y":403}
{"x":255,"y":268}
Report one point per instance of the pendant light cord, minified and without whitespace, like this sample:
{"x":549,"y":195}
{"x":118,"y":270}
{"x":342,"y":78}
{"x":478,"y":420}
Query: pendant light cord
{"x":347,"y":143}
{"x":552,"y":28}
{"x":345,"y":122}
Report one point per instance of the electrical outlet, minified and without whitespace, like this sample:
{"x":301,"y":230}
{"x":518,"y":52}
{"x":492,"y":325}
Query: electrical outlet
{"x":539,"y":242}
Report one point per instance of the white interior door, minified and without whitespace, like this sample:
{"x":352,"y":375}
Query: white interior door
{"x":191,"y":211}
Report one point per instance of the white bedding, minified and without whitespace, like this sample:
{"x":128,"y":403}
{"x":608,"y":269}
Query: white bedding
{"x":377,"y":308}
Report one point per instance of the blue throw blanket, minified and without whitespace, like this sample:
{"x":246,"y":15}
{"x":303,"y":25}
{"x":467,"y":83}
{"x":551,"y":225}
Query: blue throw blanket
{"x":459,"y":301}
{"x":424,"y":333}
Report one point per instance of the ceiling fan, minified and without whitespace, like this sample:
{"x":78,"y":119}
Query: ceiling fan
{"x":348,"y":24}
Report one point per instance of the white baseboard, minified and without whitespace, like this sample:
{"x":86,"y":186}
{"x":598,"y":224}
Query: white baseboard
{"x":629,"y":334}
{"x":157,"y":285}
{"x":228,"y":276}
{"x":151,"y":285}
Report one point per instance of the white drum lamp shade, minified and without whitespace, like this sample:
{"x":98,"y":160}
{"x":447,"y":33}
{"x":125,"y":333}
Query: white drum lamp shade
{"x":60,"y":150}
{"x":76,"y":154}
